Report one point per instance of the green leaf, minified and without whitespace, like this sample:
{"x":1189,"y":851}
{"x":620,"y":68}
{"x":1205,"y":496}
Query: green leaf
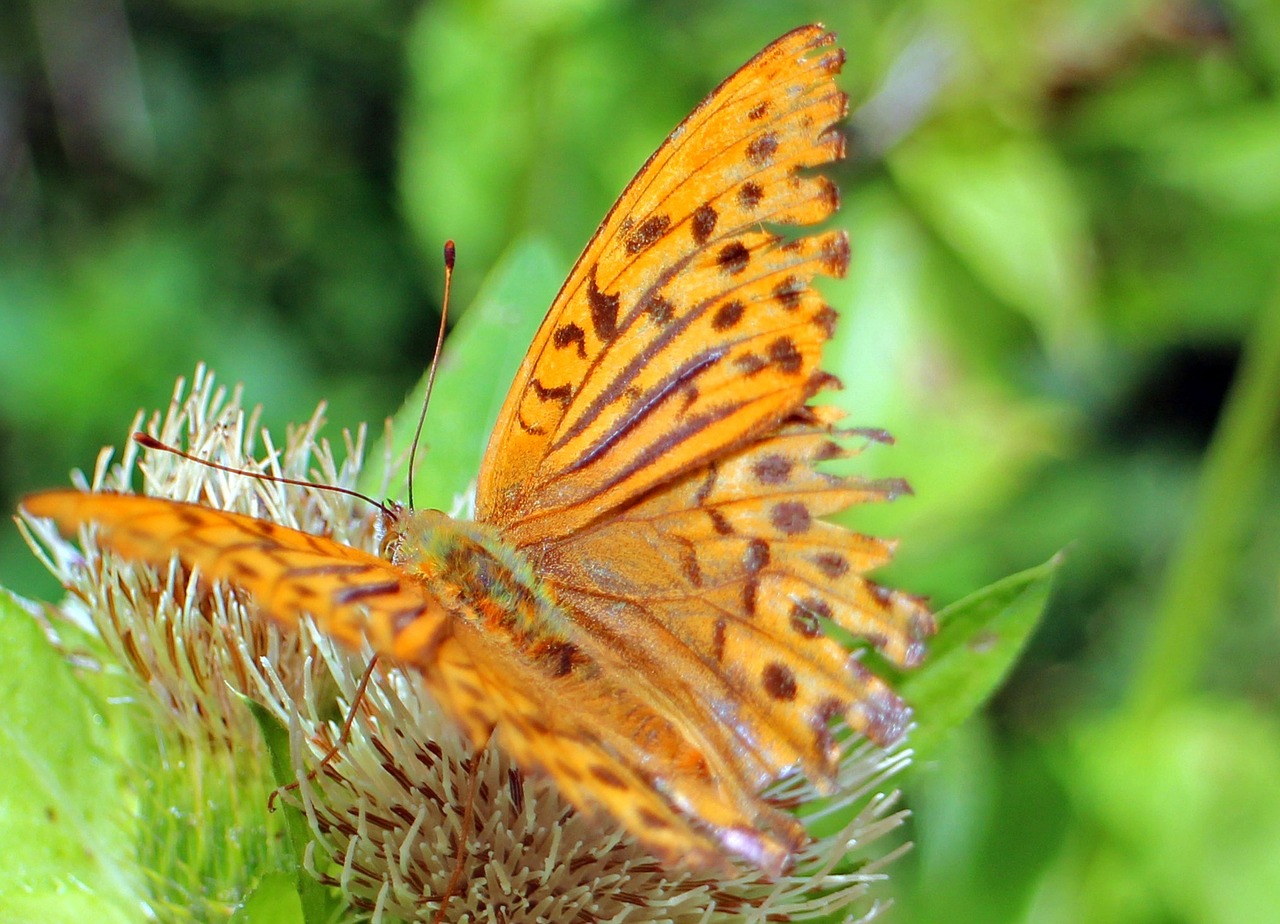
{"x":480,"y":360}
{"x":978,"y":642}
{"x":274,"y":901}
{"x":1005,"y":204}
{"x":1230,"y":158}
{"x":311,"y":902}
{"x":64,"y":830}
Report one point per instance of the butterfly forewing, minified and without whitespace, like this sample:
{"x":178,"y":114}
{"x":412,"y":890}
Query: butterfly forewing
{"x":353,"y":595}
{"x":687,"y":326}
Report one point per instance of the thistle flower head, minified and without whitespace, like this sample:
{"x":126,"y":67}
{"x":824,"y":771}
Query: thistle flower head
{"x":404,"y":816}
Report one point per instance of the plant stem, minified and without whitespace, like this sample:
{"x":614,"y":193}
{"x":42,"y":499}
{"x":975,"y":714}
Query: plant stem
{"x":1201,"y":571}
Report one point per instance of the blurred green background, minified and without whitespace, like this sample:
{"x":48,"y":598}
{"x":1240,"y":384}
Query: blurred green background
{"x":1064,"y":302}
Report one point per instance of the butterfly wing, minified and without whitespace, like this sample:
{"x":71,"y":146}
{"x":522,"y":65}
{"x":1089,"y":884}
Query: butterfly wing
{"x":612,"y":399}
{"x":353,"y":596}
{"x":657,"y":463}
{"x":638,"y":767}
{"x":734,"y":569}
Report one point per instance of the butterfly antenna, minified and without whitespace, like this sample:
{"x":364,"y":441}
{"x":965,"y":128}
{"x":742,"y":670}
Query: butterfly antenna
{"x":450,"y":255}
{"x":148,"y":441}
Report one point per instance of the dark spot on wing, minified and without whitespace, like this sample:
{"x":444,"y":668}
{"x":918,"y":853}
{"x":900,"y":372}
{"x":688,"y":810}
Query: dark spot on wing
{"x":559,"y":657}
{"x":707,"y":486}
{"x":757,"y":555}
{"x":645,"y":236}
{"x":804,"y":623}
{"x":882,"y":594}
{"x":826,"y":319}
{"x":806,"y":613}
{"x":749,"y":195}
{"x":657,"y":307}
{"x":779,"y":682}
{"x":761,"y":149}
{"x":570,"y":334}
{"x":728,"y":315}
{"x":719,"y":522}
{"x":784,"y":355}
{"x":703,"y":223}
{"x":790,"y":517}
{"x":829,"y":450}
{"x":832,"y":564}
{"x":733,"y":258}
{"x":772,"y":469}
{"x":689,"y":564}
{"x":789,"y":292}
{"x":836,"y":256}
{"x":604,"y":310}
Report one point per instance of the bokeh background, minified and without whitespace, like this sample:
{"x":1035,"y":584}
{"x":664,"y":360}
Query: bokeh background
{"x":1064,"y":302}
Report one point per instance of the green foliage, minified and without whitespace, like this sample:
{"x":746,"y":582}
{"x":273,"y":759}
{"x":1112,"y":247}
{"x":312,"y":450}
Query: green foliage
{"x":978,"y":643}
{"x":64,"y":831}
{"x":296,"y":895}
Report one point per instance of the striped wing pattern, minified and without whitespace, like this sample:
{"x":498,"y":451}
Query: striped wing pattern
{"x":656,"y":460}
{"x":353,"y":595}
{"x":687,"y":325}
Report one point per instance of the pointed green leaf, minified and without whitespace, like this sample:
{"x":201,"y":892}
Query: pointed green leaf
{"x":978,"y":642}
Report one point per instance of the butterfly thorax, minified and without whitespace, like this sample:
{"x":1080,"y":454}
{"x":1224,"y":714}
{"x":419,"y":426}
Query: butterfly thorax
{"x":478,"y":579}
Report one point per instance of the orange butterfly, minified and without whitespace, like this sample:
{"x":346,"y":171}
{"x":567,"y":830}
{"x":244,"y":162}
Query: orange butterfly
{"x":640,"y":608}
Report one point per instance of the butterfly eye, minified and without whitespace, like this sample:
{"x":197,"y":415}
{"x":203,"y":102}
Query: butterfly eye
{"x":388,"y":533}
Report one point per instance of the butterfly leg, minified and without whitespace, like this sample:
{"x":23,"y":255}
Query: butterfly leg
{"x":343,"y":737}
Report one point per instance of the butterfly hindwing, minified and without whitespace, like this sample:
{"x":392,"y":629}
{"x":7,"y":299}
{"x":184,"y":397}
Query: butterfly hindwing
{"x":639,"y":766}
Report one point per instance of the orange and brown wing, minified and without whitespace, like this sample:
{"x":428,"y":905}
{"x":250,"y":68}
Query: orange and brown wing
{"x":608,"y":746}
{"x":687,"y":326}
{"x":352,"y":595}
{"x":725,"y":586}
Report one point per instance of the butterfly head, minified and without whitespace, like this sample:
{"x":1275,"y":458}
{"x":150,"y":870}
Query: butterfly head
{"x":388,"y":531}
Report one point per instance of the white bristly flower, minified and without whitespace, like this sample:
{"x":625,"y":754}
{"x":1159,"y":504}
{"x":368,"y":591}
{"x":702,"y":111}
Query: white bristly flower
{"x":387,"y":813}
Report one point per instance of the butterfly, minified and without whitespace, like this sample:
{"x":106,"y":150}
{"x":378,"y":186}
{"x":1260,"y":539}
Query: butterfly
{"x":642,"y":607}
